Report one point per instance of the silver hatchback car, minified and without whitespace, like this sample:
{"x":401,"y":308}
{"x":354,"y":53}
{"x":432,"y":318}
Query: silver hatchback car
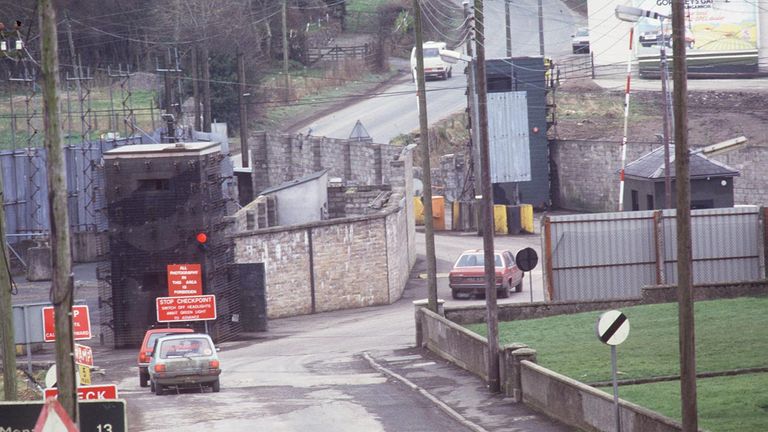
{"x":184,"y":360}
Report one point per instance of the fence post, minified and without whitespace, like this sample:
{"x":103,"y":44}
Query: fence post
{"x":762,"y":216}
{"x":548,"y":279}
{"x":658,"y":242}
{"x":592,"y":62}
{"x":509,"y":380}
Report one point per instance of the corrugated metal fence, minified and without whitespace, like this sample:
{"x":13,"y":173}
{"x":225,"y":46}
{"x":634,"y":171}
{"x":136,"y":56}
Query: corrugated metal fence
{"x":613,"y":255}
{"x":25,"y":188}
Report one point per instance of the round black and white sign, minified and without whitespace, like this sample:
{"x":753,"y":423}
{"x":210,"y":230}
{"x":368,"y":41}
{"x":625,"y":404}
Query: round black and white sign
{"x":612,"y":327}
{"x":526,"y":259}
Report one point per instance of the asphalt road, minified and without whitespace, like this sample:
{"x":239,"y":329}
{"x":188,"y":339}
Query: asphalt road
{"x":308,"y":373}
{"x":394,"y":110}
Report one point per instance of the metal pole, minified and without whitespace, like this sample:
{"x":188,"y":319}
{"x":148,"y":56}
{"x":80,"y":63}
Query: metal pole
{"x":429,"y":233}
{"x":26,"y":336}
{"x":494,"y":384}
{"x":616,"y":409}
{"x":684,"y":249}
{"x":508,"y":27}
{"x":530,"y":284}
{"x":626,"y":122}
{"x":665,"y":137}
{"x":541,"y":29}
{"x":243,"y":110}
{"x":285,"y":48}
{"x":62,"y":284}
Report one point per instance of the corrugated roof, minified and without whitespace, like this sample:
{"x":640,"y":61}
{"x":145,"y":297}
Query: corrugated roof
{"x":651,"y":166}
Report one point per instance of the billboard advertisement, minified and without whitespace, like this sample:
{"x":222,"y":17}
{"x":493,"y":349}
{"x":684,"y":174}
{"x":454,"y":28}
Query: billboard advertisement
{"x":720,"y":35}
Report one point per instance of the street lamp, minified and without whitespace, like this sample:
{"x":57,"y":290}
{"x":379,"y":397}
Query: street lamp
{"x":633,"y":14}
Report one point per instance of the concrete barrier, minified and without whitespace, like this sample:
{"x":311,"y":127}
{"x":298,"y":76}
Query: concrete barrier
{"x":452,"y":342}
{"x":584,"y":407}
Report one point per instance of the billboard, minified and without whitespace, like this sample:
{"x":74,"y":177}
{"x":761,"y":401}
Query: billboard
{"x":720,"y":35}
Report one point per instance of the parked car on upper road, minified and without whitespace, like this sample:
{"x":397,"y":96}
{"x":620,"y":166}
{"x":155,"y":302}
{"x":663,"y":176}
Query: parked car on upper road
{"x":468,"y":274}
{"x":434,"y":66}
{"x":184,"y":360}
{"x":145,"y":352}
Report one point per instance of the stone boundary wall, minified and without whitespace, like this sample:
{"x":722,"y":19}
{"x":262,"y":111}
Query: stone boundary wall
{"x":331,"y":265}
{"x":278,"y":158}
{"x":347,"y":201}
{"x":650,"y":295}
{"x":585,"y":173}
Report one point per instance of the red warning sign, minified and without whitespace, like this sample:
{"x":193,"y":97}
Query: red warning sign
{"x":81,"y":323}
{"x":191,"y":308}
{"x":184,"y":280}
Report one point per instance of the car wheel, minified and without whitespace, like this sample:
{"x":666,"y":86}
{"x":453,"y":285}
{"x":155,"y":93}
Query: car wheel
{"x":158,"y":389}
{"x":455,"y":294}
{"x":152,"y":386}
{"x":519,"y":286}
{"x":143,"y":379}
{"x":450,"y":72}
{"x":216,"y":386}
{"x":504,"y":291}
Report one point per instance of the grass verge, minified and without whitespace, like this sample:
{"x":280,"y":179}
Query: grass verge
{"x":730,"y":334}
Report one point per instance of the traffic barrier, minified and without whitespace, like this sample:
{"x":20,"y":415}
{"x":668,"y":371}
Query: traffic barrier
{"x":526,"y":217}
{"x":418,"y":210}
{"x":500,"y":219}
{"x":438,"y":213}
{"x":513,"y":220}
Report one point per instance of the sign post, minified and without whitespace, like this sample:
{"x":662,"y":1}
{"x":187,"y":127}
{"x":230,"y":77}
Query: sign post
{"x":526,"y":260}
{"x":612,"y":329}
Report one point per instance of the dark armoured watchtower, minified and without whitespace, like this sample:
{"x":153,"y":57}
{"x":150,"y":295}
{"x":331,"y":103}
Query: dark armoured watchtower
{"x":159,"y":198}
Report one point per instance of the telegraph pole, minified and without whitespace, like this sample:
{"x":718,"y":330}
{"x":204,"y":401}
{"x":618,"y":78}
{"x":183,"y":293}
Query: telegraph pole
{"x":206,"y":88}
{"x":243,"y":112}
{"x":664,"y":70}
{"x":62,"y":283}
{"x":196,"y":87}
{"x":429,"y":232}
{"x":508,"y":26}
{"x":6,"y":313}
{"x":494,"y":384}
{"x":285,"y":49}
{"x":687,"y":337}
{"x":541,"y":29}
{"x":472,"y":101}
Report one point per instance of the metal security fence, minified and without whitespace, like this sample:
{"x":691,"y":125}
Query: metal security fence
{"x":613,"y":255}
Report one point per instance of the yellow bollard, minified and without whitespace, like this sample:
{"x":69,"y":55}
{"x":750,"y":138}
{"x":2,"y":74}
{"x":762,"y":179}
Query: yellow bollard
{"x":526,"y":217}
{"x":500,"y":219}
{"x":438,"y":213}
{"x":418,"y":210}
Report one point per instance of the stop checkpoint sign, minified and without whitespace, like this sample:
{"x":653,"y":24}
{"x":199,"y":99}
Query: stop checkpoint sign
{"x":81,"y":323}
{"x":612,"y":327}
{"x":89,"y":392}
{"x":189,"y":308}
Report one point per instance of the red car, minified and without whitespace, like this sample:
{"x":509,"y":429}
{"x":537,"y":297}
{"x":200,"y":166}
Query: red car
{"x":145,"y":353}
{"x":468,"y":274}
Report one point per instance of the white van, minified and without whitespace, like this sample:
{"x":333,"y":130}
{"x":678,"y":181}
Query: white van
{"x":434,"y":66}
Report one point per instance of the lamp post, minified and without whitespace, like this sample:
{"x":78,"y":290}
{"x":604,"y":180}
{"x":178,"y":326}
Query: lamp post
{"x":633,"y":14}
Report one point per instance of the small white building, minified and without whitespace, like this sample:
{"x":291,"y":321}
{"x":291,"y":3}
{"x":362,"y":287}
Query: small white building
{"x":302,"y":200}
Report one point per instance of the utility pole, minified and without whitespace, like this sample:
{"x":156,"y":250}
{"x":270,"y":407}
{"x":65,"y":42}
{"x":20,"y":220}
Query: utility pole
{"x":494,"y":384}
{"x":508,"y":26}
{"x":687,"y":336}
{"x":72,"y":55}
{"x":196,"y":87}
{"x":429,"y":230}
{"x":472,"y":100}
{"x":285,"y":50}
{"x":6,"y":313}
{"x":664,"y":69}
{"x":541,"y":29}
{"x":207,"y":120}
{"x":62,"y":283}
{"x":243,"y":111}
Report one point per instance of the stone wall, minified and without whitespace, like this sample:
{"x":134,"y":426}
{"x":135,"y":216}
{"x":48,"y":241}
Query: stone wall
{"x":585,"y":173}
{"x":277,"y":158}
{"x":344,"y":201}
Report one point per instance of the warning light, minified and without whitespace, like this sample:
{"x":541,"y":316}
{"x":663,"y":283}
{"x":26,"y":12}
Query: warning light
{"x":202,"y":238}
{"x":535,"y":129}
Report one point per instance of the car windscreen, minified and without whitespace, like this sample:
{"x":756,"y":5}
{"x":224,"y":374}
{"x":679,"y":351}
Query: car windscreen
{"x":474,"y":260}
{"x":186,"y":347}
{"x":431,"y":52}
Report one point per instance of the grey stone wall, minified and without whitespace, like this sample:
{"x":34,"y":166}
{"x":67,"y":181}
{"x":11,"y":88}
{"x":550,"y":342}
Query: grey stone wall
{"x":346,"y":201}
{"x":585,"y":173}
{"x":277,"y":158}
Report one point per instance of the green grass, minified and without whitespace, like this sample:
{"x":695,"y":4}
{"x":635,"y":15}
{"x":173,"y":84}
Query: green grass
{"x":725,"y":404}
{"x":730,"y":334}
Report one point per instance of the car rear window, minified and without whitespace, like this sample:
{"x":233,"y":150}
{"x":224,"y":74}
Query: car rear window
{"x":431,"y":52}
{"x":187,"y":347}
{"x":474,"y":260}
{"x":155,"y":336}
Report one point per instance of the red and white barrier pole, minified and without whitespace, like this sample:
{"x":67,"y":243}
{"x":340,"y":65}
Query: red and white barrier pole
{"x":626,"y":122}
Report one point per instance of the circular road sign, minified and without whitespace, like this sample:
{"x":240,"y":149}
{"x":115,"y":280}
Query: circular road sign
{"x":612,"y":327}
{"x":50,"y":378}
{"x":526,"y":259}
